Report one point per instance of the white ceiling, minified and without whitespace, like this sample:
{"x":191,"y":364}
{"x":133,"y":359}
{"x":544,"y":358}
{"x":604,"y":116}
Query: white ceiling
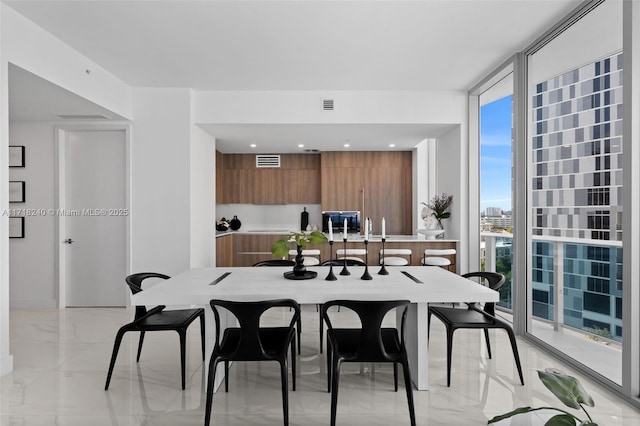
{"x":297,"y":44}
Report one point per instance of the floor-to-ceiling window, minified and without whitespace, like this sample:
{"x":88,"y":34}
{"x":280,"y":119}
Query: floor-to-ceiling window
{"x":574,"y":180}
{"x":496,"y":209}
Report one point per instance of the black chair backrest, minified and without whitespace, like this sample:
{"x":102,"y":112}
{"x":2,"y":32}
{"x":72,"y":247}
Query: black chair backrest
{"x":248,"y":314}
{"x":371,"y":314}
{"x":275,"y":262}
{"x":494,"y":281}
{"x":134,"y":282}
{"x":340,"y":262}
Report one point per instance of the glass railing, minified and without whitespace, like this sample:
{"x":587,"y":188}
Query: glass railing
{"x":496,"y":255}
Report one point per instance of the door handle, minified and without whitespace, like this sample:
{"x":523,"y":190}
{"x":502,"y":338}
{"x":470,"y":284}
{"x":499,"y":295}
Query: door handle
{"x":68,"y":241}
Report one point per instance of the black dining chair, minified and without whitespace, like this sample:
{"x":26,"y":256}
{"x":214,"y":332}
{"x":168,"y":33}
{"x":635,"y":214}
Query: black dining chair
{"x":370,"y":343}
{"x":156,"y":319}
{"x":335,"y":262}
{"x":474,"y":317}
{"x":250,"y":342}
{"x":284,"y":262}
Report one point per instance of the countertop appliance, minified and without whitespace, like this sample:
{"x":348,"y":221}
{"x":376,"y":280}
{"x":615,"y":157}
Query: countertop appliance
{"x":337,"y":219}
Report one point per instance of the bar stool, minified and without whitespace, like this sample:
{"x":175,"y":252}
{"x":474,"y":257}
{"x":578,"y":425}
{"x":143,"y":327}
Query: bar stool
{"x":311,"y":256}
{"x":351,"y":254}
{"x":395,"y":257}
{"x":434,"y":257}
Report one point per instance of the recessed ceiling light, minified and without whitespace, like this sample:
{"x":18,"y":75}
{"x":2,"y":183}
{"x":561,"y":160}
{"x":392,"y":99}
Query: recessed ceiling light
{"x":300,"y":145}
{"x":346,"y":145}
{"x":391,"y":145}
{"x":253,"y":145}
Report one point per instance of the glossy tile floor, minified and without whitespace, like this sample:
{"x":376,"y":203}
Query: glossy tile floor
{"x":61,"y":360}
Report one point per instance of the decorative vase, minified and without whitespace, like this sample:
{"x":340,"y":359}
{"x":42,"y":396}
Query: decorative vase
{"x":235,"y":223}
{"x":299,"y":269}
{"x":440,"y":226}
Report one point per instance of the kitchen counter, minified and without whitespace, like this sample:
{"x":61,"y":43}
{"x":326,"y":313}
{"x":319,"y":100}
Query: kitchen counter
{"x":247,"y":247}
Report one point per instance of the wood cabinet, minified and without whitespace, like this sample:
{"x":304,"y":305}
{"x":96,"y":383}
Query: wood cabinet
{"x":378,"y":184}
{"x":225,"y":251}
{"x":296,"y":181}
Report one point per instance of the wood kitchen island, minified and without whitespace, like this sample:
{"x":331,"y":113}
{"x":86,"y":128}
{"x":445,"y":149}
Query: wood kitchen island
{"x":237,"y":249}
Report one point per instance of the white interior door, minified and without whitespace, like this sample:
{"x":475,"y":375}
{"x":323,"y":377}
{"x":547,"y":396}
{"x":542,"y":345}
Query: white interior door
{"x":95,"y":213}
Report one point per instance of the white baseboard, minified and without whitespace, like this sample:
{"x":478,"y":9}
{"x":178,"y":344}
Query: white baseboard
{"x":32,"y":304}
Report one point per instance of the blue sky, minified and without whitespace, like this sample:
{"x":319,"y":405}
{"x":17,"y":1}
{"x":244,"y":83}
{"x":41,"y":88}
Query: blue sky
{"x":495,"y":154}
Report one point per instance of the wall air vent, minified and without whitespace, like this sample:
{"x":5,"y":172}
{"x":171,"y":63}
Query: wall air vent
{"x":83,"y":117}
{"x":267,"y":161}
{"x":327,"y":104}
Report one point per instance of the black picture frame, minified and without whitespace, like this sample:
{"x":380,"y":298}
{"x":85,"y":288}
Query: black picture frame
{"x":16,"y":227}
{"x":16,"y":156}
{"x":17,"y":192}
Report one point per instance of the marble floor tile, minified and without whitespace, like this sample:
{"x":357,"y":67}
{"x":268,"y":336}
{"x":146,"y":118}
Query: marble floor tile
{"x":61,"y":359}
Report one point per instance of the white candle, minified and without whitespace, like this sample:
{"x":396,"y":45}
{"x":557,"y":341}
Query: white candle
{"x":366,"y":229}
{"x":330,"y":230}
{"x":345,"y":229}
{"x":383,"y":230}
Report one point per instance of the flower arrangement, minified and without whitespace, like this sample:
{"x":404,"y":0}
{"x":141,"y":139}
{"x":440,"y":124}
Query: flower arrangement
{"x":439,"y":206}
{"x":281,"y":247}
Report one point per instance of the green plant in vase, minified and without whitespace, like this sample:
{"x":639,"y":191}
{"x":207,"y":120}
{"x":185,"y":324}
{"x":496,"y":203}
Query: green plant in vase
{"x":301,"y":240}
{"x":568,"y":390}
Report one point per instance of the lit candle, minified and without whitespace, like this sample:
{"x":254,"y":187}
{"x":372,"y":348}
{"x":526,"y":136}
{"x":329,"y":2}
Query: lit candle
{"x":366,"y":229}
{"x":383,"y":230}
{"x":345,"y":229}
{"x":330,"y":230}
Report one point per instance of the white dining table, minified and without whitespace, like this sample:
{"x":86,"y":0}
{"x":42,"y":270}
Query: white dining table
{"x":198,"y":285}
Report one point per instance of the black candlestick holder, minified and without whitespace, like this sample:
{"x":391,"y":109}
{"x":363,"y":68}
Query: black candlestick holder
{"x":383,"y":270}
{"x":331,"y":276}
{"x":345,"y":271}
{"x":366,"y":275}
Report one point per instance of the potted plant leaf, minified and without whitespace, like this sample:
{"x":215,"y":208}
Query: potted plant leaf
{"x":568,"y":390}
{"x":301,"y":240}
{"x":439,"y":206}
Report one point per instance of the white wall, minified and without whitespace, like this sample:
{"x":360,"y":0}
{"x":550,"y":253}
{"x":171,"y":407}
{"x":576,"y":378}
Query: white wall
{"x":32,"y":263}
{"x":33,"y":49}
{"x":6,"y":359}
{"x":350,"y":107}
{"x":160,"y":181}
{"x":203,"y":196}
{"x":452,"y":179}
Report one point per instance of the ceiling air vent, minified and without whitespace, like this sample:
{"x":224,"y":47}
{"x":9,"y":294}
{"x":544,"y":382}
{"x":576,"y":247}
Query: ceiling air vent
{"x":327,"y":104}
{"x":267,"y":161}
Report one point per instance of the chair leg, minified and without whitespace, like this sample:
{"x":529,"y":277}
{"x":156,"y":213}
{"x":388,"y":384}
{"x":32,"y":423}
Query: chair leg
{"x":299,"y":329}
{"x":409,"y":387}
{"x":114,"y":355}
{"x":183,"y":349}
{"x":334,"y":390}
{"x":449,"y":351}
{"x":486,"y":337}
{"x":514,"y":347}
{"x":212,"y":373}
{"x":226,"y":376}
{"x":202,"y":337}
{"x":395,"y":376}
{"x":293,"y":363}
{"x":285,"y":388}
{"x":321,"y":329}
{"x":140,"y":345}
{"x":329,"y":365}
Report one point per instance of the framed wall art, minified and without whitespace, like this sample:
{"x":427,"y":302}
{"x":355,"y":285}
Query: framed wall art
{"x":16,"y":227}
{"x":16,"y":191}
{"x":16,"y":156}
